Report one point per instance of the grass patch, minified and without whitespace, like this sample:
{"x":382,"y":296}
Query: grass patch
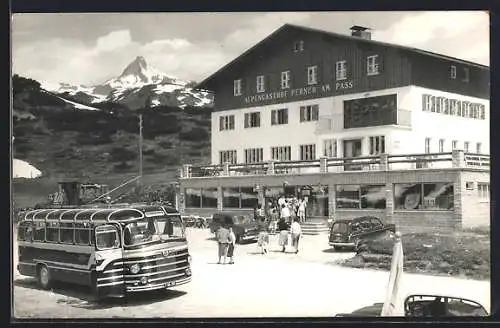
{"x":463,"y":253}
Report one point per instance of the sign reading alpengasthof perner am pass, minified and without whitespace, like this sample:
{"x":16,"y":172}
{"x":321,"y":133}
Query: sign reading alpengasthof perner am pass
{"x":298,"y":92}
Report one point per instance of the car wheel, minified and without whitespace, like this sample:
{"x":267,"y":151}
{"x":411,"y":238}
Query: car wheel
{"x":239,"y":239}
{"x":43,"y":277}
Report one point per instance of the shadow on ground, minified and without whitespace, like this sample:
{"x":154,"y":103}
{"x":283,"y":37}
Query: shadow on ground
{"x":81,"y":296}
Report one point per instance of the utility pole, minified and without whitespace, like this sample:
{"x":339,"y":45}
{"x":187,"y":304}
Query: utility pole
{"x":140,"y":152}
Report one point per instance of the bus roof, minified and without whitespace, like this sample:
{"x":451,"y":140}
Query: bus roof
{"x":112,"y":213}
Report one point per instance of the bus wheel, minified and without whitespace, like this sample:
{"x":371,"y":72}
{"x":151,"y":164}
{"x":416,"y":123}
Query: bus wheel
{"x":43,"y":276}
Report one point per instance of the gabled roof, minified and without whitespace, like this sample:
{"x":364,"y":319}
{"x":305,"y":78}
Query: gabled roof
{"x":205,"y":83}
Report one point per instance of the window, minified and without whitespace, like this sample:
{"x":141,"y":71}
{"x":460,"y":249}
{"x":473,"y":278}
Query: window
{"x":478,"y":148}
{"x":260,"y":83}
{"x":106,"y":237}
{"x":209,"y":198}
{"x":237,"y":87}
{"x":285,"y":80}
{"x":39,"y":231}
{"x":309,"y":113}
{"x":341,"y":70}
{"x":483,"y":112}
{"x":377,"y":145}
{"x":330,"y":148}
{"x":226,"y":123}
{"x":252,"y":120}
{"x":312,"y":75}
{"x":459,"y":108}
{"x":243,"y":197}
{"x":427,"y":103}
{"x":466,"y":147}
{"x":52,"y":232}
{"x":483,"y":190}
{"x":298,"y":46}
{"x":66,"y":232}
{"x":441,"y":145}
{"x":453,"y":106}
{"x":427,"y":145}
{"x":307,"y":152}
{"x":466,"y":74}
{"x":283,"y":153}
{"x":439,"y":105}
{"x":279,"y":116}
{"x":254,"y":155}
{"x":192,"y":197}
{"x":423,"y":196}
{"x":446,"y":109}
{"x":469,"y":185}
{"x":372,"y":65}
{"x":454,"y":144}
{"x":249,"y":197}
{"x":227,"y":156}
{"x":231,"y":197}
{"x":82,"y":233}
{"x":453,"y":72}
{"x":361,"y":196}
{"x":24,"y":231}
{"x":372,"y":111}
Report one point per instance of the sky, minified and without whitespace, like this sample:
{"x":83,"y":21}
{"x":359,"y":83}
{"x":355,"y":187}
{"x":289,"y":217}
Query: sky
{"x":89,"y":48}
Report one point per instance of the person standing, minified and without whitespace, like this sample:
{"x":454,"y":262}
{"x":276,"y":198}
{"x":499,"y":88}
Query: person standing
{"x":263,"y":238}
{"x":223,"y":242}
{"x":232,"y":244}
{"x":296,"y":232}
{"x":302,"y":210}
{"x":283,"y":233}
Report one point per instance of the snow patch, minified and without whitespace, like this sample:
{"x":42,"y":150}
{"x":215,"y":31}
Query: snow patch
{"x":168,"y":87}
{"x":22,"y":169}
{"x":77,"y":105}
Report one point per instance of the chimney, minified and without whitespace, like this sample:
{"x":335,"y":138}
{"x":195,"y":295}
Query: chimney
{"x":361,"y":32}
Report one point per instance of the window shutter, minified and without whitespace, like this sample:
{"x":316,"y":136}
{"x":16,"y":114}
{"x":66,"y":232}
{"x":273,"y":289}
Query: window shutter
{"x":285,"y":115}
{"x":247,"y":118}
{"x":231,"y":120}
{"x":258,"y":118}
{"x":221,"y":123}
{"x":424,"y":102}
{"x":273,"y":117}
{"x":302,"y":114}
{"x":315,"y":112}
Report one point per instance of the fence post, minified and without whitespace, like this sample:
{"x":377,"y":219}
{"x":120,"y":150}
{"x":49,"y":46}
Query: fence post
{"x":323,"y":165}
{"x":187,"y":170}
{"x":270,"y":167}
{"x":384,"y":162}
{"x":220,"y":198}
{"x":226,"y":169}
{"x":458,"y":158}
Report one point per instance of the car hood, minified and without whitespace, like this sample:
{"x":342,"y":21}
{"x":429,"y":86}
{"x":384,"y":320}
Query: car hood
{"x":246,"y":225}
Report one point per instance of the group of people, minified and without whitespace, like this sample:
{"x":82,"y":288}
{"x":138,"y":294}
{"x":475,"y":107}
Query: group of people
{"x":226,"y":240}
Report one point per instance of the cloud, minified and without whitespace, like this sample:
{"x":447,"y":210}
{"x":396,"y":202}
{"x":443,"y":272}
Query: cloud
{"x":453,"y":33}
{"x":113,"y":41}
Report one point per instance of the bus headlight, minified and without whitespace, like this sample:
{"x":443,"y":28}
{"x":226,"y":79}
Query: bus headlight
{"x":135,"y":268}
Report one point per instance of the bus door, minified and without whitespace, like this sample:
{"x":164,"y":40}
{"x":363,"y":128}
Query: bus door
{"x":109,"y":279}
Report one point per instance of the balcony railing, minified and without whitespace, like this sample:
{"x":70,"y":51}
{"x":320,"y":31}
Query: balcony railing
{"x":384,"y":162}
{"x":335,"y":123}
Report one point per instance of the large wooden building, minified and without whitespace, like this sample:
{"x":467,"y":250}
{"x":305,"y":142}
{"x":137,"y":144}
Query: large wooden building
{"x":304,"y":109}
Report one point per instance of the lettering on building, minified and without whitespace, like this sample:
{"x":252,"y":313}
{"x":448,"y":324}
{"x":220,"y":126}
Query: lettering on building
{"x":285,"y":94}
{"x":343,"y":85}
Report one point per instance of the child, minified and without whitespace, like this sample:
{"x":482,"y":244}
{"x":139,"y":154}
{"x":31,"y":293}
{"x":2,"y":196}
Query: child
{"x":232,"y":243}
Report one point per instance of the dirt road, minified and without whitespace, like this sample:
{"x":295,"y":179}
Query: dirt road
{"x":255,"y":286}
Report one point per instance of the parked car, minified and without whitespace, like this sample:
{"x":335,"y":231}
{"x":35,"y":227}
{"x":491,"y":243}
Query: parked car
{"x":244,"y":226}
{"x":427,"y":306}
{"x":353,"y":233}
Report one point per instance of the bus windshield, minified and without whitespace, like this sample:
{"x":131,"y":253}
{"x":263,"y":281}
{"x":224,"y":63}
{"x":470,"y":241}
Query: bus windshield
{"x":153,"y":229}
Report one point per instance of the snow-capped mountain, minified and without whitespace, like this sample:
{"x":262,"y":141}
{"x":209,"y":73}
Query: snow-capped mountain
{"x":139,"y":85}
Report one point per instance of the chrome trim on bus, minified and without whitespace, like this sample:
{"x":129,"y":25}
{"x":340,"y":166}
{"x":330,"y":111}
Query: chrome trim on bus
{"x":159,"y":257}
{"x":112,"y":270}
{"x":161,"y":265}
{"x":110,"y":278}
{"x":84,"y":267}
{"x":156,"y":286}
{"x":155,"y":251}
{"x":108,"y":218}
{"x":83,"y":249}
{"x":149,"y":274}
{"x":26,"y":263}
{"x":114,"y":283}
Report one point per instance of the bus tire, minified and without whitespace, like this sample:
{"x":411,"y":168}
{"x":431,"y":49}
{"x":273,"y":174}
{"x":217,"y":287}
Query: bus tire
{"x":43,"y":276}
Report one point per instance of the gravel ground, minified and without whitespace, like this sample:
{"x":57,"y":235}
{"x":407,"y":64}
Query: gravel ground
{"x":255,"y":286}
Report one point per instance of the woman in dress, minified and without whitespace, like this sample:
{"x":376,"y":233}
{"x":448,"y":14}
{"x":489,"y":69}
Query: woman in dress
{"x":283,"y":233}
{"x":263,"y":239}
{"x":232,"y":243}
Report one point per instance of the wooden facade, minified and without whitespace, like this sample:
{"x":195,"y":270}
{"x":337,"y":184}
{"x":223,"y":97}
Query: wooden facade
{"x":398,"y":67}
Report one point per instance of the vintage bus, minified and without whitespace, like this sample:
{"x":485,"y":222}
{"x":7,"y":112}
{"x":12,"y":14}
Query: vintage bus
{"x":115,"y":251}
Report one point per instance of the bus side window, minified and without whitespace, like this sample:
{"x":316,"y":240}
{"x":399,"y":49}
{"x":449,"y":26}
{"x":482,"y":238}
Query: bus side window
{"x":107,"y":237}
{"x":24,"y":231}
{"x":66,"y":233}
{"x":52,"y":234}
{"x":82,"y":233}
{"x":39,"y":233}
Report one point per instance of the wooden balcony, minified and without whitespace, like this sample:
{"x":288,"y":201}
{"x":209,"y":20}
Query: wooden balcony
{"x":383,"y":162}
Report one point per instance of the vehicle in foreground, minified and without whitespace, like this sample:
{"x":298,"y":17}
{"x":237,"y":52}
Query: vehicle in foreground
{"x":353,"y":233}
{"x":115,"y":250}
{"x":430,"y":306}
{"x":244,"y":226}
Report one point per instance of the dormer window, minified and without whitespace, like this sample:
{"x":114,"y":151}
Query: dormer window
{"x":372,"y":65}
{"x":341,"y":70}
{"x":237,"y":87}
{"x":453,"y":72}
{"x":260,"y":84}
{"x":298,"y":46}
{"x":312,"y":75}
{"x":466,"y":74}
